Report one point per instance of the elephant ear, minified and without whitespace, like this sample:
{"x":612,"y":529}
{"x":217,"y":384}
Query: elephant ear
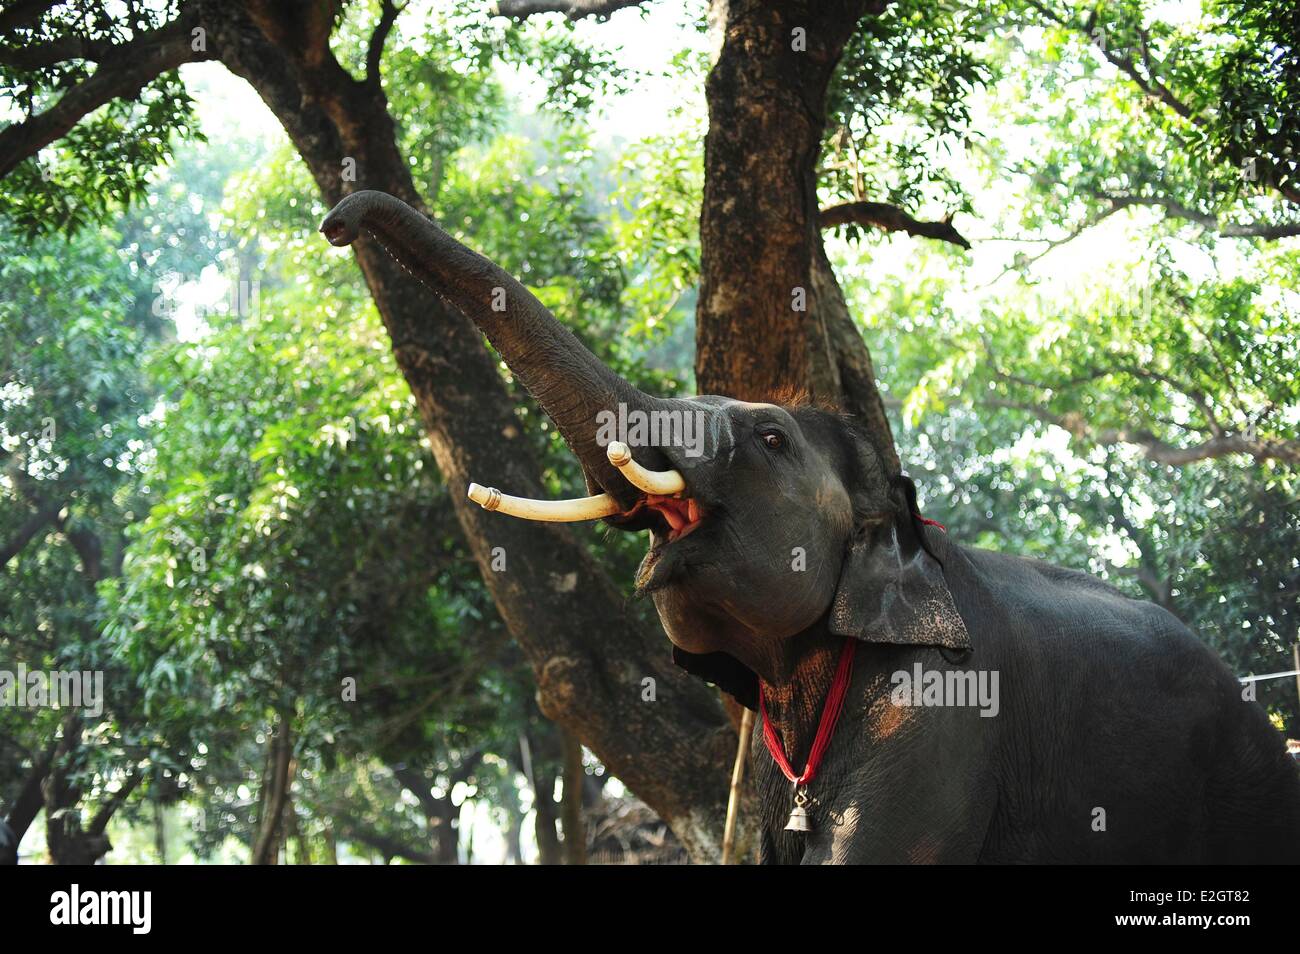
{"x":892,"y":588}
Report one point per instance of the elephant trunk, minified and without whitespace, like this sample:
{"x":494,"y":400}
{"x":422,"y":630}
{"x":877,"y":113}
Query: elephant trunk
{"x":565,"y":378}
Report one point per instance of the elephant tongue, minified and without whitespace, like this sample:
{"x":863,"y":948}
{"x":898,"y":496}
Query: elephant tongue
{"x":683,"y":515}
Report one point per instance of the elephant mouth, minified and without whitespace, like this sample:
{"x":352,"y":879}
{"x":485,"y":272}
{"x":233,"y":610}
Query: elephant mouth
{"x":669,"y":520}
{"x":664,"y":506}
{"x":673,"y":517}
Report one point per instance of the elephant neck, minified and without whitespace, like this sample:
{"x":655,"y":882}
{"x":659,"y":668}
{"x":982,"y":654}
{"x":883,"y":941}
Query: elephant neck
{"x":795,"y":692}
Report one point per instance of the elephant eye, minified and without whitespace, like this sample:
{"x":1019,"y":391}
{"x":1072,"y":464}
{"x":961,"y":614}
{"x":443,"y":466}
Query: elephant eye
{"x":773,"y":439}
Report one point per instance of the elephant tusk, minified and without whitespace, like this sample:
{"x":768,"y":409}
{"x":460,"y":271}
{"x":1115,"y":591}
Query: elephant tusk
{"x":662,"y":482}
{"x":551,"y":511}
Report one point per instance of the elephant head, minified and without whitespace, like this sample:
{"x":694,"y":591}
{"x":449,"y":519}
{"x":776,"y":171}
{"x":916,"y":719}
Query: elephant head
{"x":765,"y":519}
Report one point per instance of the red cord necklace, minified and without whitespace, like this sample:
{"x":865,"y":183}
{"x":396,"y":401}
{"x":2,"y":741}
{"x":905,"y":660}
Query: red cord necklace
{"x":799,"y":820}
{"x":821,"y":741}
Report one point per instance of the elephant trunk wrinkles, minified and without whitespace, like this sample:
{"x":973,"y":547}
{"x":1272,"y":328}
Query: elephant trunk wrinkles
{"x":565,"y":378}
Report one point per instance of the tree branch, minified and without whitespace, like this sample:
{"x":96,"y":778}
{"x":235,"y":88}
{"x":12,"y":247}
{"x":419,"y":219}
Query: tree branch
{"x":1022,"y":262}
{"x":114,"y":802}
{"x":44,"y":517}
{"x":22,"y":12}
{"x":1149,"y":84}
{"x":890,"y":218}
{"x":390,"y":847}
{"x":1269,"y":231}
{"x":1156,"y":587}
{"x":41,"y":55}
{"x":413,"y":779}
{"x":573,"y":9}
{"x":1158,"y":583}
{"x":55,"y":791}
{"x":374,"y":53}
{"x":89,"y":549}
{"x":1153,"y":447}
{"x":1192,"y":393}
{"x":70,"y":46}
{"x":133,"y":65}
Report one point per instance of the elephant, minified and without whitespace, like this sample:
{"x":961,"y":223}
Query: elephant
{"x":991,"y":708}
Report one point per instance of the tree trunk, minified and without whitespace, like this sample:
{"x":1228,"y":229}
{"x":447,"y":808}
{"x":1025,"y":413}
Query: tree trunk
{"x":445,"y":835}
{"x":548,"y":840}
{"x":70,"y":842}
{"x":587,"y":651}
{"x":771,"y":319}
{"x":294,"y":833}
{"x":543,"y":786}
{"x":440,"y":813}
{"x":63,"y":829}
{"x":514,"y":836}
{"x":29,"y":801}
{"x":159,"y":833}
{"x":1293,"y":729}
{"x":575,"y":836}
{"x":266,"y":846}
{"x":331,"y":846}
{"x":844,"y":372}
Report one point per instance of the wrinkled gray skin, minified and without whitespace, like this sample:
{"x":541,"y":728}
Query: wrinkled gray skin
{"x":1119,"y":737}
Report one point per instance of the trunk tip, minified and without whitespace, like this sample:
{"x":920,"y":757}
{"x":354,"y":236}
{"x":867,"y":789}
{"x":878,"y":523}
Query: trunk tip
{"x":343,"y":224}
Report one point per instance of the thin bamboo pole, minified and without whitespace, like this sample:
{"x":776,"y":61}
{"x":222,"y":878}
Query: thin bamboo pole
{"x":737,"y":777}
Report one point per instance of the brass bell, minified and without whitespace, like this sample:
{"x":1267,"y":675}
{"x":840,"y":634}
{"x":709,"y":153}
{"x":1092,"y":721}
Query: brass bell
{"x":799,"y":818}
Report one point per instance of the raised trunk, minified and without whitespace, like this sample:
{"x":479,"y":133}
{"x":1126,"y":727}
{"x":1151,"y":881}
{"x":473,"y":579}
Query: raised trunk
{"x":590,"y":655}
{"x":568,"y":381}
